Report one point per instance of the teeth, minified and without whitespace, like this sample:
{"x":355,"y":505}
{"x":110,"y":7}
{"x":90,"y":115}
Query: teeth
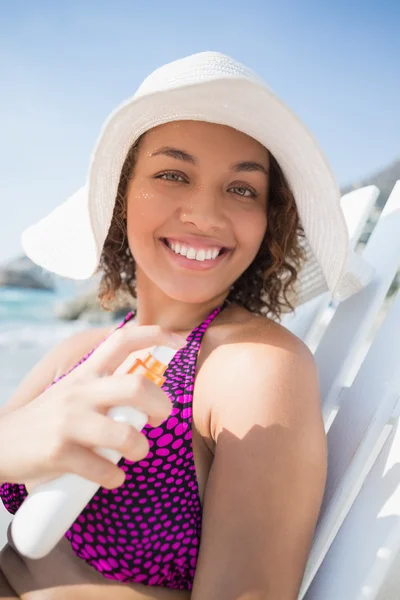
{"x":192,"y":253}
{"x":214,"y":253}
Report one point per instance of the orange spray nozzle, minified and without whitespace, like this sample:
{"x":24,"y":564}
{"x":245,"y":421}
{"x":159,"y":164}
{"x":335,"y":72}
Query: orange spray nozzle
{"x":155,"y":364}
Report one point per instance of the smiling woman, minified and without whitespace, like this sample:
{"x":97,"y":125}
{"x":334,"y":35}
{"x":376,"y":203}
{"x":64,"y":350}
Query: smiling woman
{"x":209,"y":202}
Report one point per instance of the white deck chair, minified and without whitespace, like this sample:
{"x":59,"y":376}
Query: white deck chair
{"x":345,"y":337}
{"x":356,"y":206}
{"x":364,"y":438}
{"x":357,"y":539}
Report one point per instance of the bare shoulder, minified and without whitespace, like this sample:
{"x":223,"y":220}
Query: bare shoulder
{"x":242,"y":336}
{"x":256,"y":363}
{"x":56,"y":362}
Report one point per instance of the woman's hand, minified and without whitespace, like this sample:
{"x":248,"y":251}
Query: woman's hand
{"x":58,"y":431}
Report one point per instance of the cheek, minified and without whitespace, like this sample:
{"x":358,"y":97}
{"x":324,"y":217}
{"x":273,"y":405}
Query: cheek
{"x":146,"y":211}
{"x":251,"y":230}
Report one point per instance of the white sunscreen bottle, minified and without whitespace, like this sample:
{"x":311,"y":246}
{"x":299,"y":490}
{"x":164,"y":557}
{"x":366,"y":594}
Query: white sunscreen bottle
{"x":52,"y":507}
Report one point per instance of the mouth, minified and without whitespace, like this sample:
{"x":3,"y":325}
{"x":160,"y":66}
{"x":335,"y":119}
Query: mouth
{"x":191,"y":253}
{"x":195,"y":258}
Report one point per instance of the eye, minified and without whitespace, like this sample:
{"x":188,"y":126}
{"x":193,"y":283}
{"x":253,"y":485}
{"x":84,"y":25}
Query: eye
{"x":243,"y":191}
{"x":171,"y":176}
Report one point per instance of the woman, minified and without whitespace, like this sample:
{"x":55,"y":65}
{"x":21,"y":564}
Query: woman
{"x":209,"y":203}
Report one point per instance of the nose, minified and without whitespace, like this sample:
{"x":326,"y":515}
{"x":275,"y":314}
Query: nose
{"x":203,"y":210}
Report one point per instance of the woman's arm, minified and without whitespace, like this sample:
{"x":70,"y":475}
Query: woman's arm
{"x":267,"y":480}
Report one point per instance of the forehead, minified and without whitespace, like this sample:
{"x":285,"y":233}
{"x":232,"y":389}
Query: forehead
{"x":199,"y":136}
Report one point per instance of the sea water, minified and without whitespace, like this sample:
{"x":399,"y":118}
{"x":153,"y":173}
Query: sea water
{"x":29,"y":328}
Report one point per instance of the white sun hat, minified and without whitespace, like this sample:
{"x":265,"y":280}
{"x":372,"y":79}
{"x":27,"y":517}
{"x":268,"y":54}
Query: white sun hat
{"x":211,"y":87}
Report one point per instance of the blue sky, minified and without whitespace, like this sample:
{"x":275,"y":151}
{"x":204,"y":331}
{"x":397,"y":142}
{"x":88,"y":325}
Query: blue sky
{"x":65,"y":65}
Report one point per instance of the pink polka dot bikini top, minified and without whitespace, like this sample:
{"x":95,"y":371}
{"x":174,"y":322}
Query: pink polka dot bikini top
{"x":148,"y":530}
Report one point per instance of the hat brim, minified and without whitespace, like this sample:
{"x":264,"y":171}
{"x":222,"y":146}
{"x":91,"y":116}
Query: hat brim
{"x":247,"y":106}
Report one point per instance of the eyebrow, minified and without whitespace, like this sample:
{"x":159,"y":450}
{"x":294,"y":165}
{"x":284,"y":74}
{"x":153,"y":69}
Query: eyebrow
{"x":247,"y":165}
{"x":175,"y":153}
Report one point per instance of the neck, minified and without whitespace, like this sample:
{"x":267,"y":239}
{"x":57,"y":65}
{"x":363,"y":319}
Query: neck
{"x":156,"y":308}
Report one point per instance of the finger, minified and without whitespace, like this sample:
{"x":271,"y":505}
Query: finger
{"x":99,"y":431}
{"x":127,"y":390}
{"x":89,"y":465}
{"x":122,"y":342}
{"x":126,"y":366}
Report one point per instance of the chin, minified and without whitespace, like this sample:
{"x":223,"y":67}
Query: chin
{"x":193,"y":294}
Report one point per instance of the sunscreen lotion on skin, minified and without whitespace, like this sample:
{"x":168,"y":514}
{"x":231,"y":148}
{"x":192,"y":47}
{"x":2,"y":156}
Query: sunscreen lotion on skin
{"x":52,"y":507}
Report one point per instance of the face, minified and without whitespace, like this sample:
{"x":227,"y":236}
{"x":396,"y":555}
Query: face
{"x":196,"y":208}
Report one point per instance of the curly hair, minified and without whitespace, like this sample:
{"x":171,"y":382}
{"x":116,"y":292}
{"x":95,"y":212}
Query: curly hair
{"x":264,"y":288}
